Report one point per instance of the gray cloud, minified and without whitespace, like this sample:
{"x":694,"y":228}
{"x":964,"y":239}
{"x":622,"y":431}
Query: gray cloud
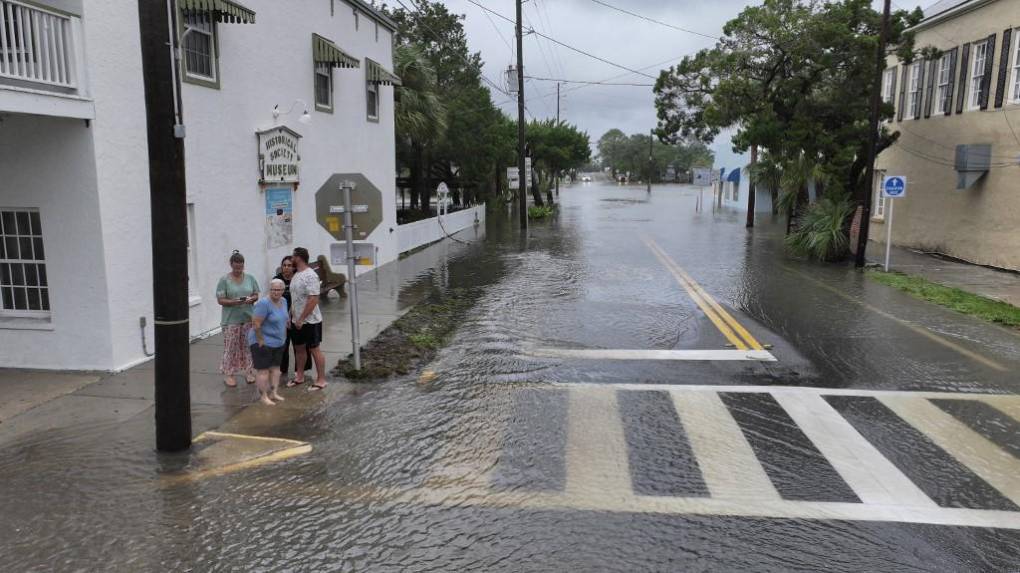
{"x":606,"y":33}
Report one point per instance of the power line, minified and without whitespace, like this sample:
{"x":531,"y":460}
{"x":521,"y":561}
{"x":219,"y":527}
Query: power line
{"x":568,"y":46}
{"x":654,"y":21}
{"x":590,"y":83}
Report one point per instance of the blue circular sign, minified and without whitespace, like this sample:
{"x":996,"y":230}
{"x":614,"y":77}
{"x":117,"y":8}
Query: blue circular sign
{"x":894,"y":186}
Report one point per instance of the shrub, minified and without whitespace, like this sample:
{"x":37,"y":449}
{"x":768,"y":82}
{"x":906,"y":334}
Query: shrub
{"x":822,"y":233}
{"x":540,"y":211}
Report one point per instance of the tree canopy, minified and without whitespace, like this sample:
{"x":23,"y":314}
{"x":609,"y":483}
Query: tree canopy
{"x":623,"y":153}
{"x":792,"y":77}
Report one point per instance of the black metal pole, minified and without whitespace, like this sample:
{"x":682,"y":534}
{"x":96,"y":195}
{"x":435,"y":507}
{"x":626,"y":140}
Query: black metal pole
{"x":651,"y":141}
{"x":522,"y":191}
{"x":557,"y":123}
{"x":869,"y":175}
{"x":751,"y":189}
{"x":168,"y":206}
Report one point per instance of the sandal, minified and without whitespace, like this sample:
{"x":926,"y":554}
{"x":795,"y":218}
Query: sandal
{"x":316,"y":387}
{"x":294,"y":382}
{"x":230,"y":382}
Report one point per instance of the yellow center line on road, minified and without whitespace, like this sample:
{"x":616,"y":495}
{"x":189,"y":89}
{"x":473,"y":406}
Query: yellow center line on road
{"x":917,"y":329}
{"x":727,"y":325}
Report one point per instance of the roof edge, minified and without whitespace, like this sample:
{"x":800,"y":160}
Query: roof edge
{"x":950,"y":13}
{"x":373,"y":13}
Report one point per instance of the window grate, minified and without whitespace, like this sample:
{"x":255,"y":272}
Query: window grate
{"x":24,"y":285}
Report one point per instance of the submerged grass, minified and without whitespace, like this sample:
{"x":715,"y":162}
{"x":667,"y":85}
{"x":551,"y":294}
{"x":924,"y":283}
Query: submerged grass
{"x":413,"y":340}
{"x":950,"y":297}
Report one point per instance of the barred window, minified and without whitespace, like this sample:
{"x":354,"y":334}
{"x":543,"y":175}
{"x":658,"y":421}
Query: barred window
{"x":24,"y":286}
{"x":199,"y":47}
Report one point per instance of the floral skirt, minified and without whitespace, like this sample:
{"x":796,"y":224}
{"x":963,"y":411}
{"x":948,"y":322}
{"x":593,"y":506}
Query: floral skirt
{"x":236,"y":354}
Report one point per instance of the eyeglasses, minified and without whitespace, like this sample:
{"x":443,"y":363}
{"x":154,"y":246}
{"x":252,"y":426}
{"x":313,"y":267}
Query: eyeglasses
{"x":277,"y":289}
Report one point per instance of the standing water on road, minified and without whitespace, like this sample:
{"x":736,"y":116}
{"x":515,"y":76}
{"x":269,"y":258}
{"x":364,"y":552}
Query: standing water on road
{"x":639,"y":386}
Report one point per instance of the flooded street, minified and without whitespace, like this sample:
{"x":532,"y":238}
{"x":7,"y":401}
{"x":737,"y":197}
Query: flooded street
{"x":641,"y":386}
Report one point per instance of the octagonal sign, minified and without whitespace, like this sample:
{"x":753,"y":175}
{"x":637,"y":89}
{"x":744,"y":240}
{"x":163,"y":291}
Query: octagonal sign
{"x":366,"y":199}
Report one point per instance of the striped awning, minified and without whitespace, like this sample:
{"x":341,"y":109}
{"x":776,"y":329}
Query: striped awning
{"x":326,"y":52}
{"x":379,"y":75}
{"x":225,"y":11}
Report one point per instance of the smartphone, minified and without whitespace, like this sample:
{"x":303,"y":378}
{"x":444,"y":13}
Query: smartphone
{"x":242,"y":299}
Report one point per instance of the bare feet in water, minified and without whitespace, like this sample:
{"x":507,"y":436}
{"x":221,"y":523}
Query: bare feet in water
{"x":265,"y":400}
{"x":276,"y":397}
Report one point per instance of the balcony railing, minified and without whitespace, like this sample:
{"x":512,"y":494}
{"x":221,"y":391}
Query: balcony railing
{"x":36,"y":45}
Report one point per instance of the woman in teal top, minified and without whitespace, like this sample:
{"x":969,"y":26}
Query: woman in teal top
{"x":236,"y":292}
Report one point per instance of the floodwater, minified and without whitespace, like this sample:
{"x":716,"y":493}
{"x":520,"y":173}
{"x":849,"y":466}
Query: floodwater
{"x":532,"y":450}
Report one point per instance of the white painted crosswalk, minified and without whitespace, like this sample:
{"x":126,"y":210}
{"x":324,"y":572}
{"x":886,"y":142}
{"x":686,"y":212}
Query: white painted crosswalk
{"x":965,"y":478}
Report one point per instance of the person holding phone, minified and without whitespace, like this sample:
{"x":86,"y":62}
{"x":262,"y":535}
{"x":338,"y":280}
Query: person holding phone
{"x":236,"y":292}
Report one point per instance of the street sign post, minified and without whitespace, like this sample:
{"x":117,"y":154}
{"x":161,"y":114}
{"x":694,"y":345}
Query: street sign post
{"x":347,"y":188}
{"x":893,"y":187}
{"x":366,"y":204}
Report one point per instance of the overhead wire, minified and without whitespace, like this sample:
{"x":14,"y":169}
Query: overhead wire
{"x":654,"y":21}
{"x":565,"y":45}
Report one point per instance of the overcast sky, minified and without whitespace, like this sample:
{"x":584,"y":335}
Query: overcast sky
{"x":601,"y":31}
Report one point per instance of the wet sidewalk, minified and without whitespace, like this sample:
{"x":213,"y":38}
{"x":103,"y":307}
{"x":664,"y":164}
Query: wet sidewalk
{"x":991,"y":283}
{"x":40,"y":401}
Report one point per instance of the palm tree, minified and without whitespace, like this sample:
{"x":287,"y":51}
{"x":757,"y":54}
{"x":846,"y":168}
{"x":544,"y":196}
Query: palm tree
{"x":420,"y":117}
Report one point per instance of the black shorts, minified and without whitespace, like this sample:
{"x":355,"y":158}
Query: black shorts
{"x":309,"y":335}
{"x":266,"y":357}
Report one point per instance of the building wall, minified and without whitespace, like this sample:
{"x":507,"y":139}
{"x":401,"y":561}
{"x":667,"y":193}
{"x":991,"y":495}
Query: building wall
{"x":90,"y":181}
{"x":979,"y":224}
{"x":122,"y":172}
{"x":265,"y":64}
{"x":63,"y":188}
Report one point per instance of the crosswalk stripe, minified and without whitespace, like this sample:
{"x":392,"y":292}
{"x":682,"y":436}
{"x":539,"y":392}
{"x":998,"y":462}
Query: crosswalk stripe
{"x":989,"y":462}
{"x":728,"y":464}
{"x":873,"y":478}
{"x":1008,"y":404}
{"x":596,"y":449}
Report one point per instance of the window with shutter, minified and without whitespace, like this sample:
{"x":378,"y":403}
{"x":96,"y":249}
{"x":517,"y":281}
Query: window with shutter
{"x":903,"y":94}
{"x":914,"y":92}
{"x":986,"y":76}
{"x":944,"y":91}
{"x":962,"y":95}
{"x":1015,"y":91}
{"x":929,"y":92}
{"x":952,"y":80}
{"x":1000,"y":84}
{"x":977,"y":75}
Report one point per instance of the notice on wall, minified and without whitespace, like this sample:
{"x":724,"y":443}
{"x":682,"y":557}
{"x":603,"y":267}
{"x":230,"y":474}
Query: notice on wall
{"x":278,"y":155}
{"x":279,"y":216}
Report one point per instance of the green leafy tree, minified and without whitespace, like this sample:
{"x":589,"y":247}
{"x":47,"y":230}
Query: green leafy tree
{"x":795,"y":79}
{"x":555,"y":147}
{"x":420,"y":116}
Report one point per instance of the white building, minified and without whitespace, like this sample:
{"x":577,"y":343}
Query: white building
{"x":75,"y":236}
{"x":732,"y":189}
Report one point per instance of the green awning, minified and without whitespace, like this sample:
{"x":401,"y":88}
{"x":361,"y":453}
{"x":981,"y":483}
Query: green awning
{"x":226,"y":11}
{"x":326,"y":52}
{"x":378,"y":74}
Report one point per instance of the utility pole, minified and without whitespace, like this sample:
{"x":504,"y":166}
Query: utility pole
{"x":557,"y":123}
{"x":168,"y":208}
{"x":869,"y":175}
{"x":751,"y":191}
{"x":651,"y":140}
{"x":522,"y":188}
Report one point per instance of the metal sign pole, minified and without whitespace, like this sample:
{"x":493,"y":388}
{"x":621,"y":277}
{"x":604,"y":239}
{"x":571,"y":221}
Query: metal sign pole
{"x":888,"y":234}
{"x":352,"y":278}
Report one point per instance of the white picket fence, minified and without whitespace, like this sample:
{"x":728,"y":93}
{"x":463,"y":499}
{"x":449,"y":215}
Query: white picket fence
{"x":414,"y":235}
{"x":37,"y":45}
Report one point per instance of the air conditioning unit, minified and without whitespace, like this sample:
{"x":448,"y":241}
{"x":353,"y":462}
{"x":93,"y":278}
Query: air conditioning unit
{"x":972,"y":162}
